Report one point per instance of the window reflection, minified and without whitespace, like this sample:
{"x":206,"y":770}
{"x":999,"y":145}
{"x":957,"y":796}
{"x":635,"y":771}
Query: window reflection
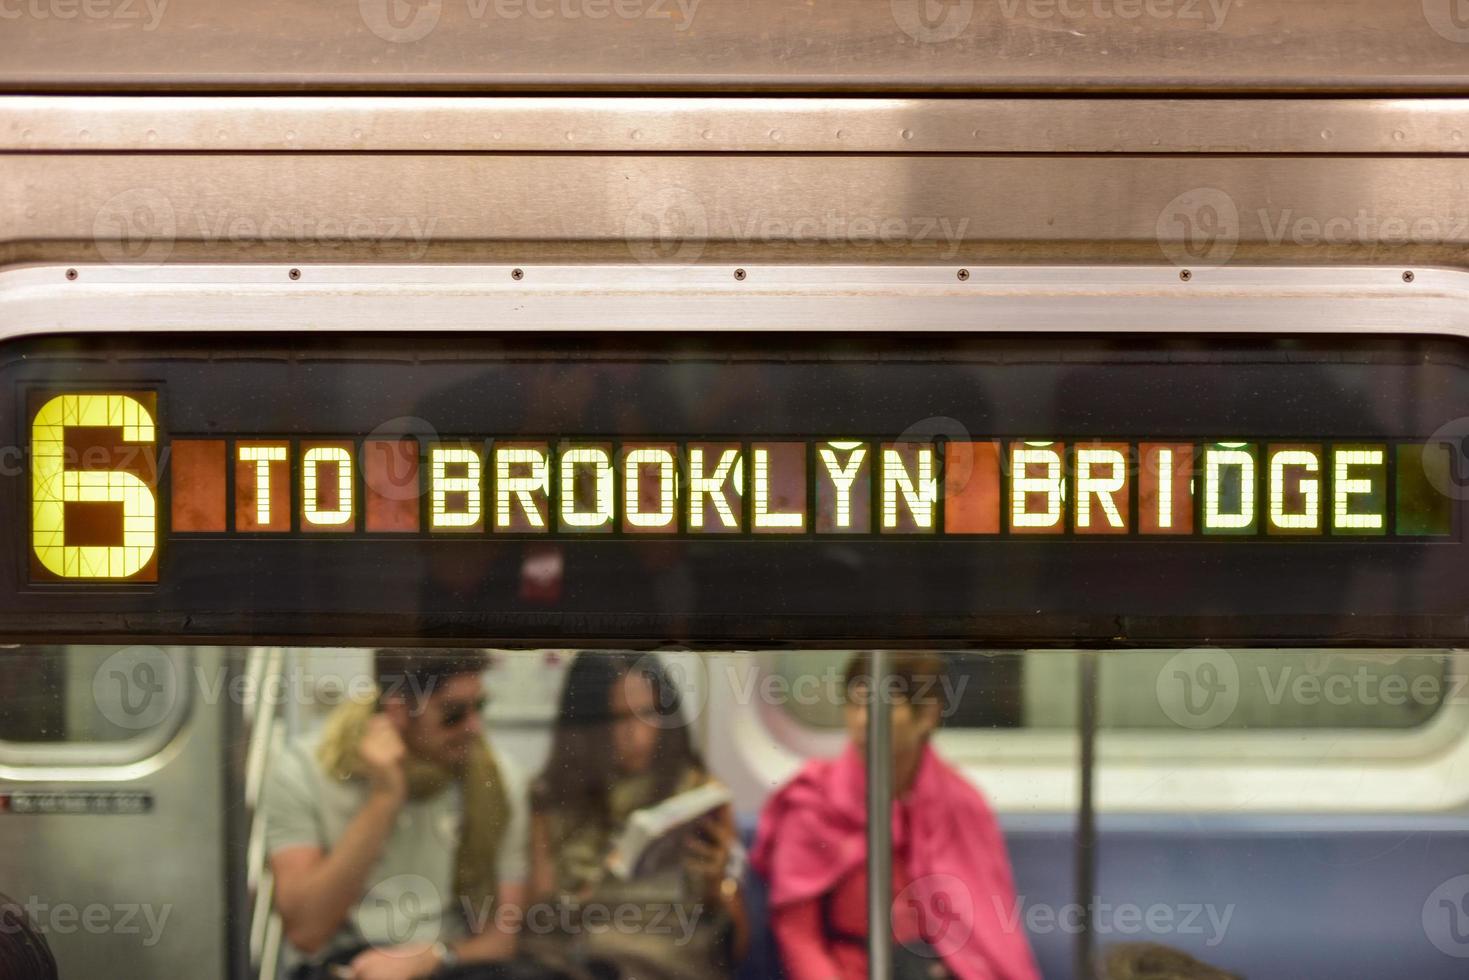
{"x":1223,"y":776}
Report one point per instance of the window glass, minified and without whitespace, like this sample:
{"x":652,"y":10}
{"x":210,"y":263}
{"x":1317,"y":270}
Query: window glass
{"x":67,"y":695}
{"x":1145,"y":690}
{"x":1223,"y":778}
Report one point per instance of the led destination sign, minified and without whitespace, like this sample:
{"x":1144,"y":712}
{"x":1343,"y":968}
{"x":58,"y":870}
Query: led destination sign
{"x":97,"y":509}
{"x":770,"y":490}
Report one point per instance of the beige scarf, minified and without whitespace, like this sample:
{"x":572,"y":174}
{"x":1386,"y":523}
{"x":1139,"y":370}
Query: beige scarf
{"x":486,"y":805}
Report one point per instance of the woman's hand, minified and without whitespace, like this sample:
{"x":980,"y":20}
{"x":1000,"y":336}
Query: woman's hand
{"x":707,"y":850}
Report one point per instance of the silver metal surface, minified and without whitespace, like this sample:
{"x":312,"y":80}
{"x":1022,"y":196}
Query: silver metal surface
{"x":1142,"y":46}
{"x":299,"y":124}
{"x":734,"y":208}
{"x":880,"y":793}
{"x":1086,"y":857}
{"x":828,"y":299}
{"x":162,"y":869}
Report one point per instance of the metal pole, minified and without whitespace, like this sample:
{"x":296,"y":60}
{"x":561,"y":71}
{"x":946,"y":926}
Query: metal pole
{"x":879,"y":820}
{"x":1086,"y":817}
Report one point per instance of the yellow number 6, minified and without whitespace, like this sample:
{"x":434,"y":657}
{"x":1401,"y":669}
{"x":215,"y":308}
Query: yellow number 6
{"x":53,"y":486}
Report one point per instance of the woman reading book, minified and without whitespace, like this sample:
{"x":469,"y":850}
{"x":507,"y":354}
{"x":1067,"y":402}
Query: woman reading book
{"x":953,"y":905}
{"x":621,"y":745}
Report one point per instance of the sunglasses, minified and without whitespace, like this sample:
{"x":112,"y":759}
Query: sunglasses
{"x":454,"y":713}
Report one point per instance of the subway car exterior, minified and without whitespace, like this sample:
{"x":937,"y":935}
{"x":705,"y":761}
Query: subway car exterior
{"x":1138,"y":328}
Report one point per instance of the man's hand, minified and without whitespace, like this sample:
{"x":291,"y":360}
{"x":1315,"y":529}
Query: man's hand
{"x":382,"y":752}
{"x":409,"y":962}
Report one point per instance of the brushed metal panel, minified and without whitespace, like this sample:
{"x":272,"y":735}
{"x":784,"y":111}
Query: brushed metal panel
{"x":154,"y":878}
{"x":819,"y":298}
{"x":703,"y":125}
{"x":1192,"y":211}
{"x":1361,"y":46}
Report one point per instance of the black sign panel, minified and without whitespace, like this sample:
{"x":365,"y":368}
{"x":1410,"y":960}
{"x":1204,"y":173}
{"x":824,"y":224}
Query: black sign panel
{"x":650,"y":490}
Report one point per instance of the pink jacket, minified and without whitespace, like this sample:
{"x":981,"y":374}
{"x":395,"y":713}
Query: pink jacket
{"x":812,"y":835}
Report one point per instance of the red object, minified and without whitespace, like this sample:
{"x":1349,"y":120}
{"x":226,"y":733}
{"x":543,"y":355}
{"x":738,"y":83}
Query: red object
{"x":833,"y":945}
{"x":541,"y":574}
{"x":392,"y":493}
{"x":953,"y":886}
{"x":972,"y":488}
{"x":198,"y":490}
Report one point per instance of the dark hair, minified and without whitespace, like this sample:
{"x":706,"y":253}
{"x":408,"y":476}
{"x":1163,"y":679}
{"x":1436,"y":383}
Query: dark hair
{"x":581,"y":767}
{"x":916,"y":676}
{"x":24,"y":954}
{"x":416,"y":672}
{"x":1150,"y":961}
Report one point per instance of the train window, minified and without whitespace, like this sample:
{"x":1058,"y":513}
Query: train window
{"x":982,"y":689}
{"x":1164,"y":689}
{"x":1189,"y":729}
{"x":761,"y":511}
{"x":1219,"y":690}
{"x":84,"y":705}
{"x":241,"y":774}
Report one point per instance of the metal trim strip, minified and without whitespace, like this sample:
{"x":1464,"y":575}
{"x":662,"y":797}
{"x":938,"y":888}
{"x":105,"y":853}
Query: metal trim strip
{"x":310,"y":124}
{"x":43,"y":299}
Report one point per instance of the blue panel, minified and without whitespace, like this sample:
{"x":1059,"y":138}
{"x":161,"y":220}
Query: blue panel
{"x":1319,"y":896}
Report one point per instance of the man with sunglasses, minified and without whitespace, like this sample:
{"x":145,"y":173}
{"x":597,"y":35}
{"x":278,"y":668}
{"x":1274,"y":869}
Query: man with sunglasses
{"x":398,"y":835}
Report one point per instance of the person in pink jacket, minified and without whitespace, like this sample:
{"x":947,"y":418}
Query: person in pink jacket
{"x":953,"y":908}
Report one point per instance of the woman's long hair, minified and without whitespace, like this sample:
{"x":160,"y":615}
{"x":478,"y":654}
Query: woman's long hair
{"x":24,"y":954}
{"x":582,"y":767}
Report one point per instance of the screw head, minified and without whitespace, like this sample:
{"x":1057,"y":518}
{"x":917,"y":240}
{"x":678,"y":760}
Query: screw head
{"x":1185,"y":274}
{"x":71,"y":273}
{"x":517,"y":274}
{"x":740,"y":275}
{"x":294,"y":274}
{"x":1408,"y":276}
{"x":963,"y":275}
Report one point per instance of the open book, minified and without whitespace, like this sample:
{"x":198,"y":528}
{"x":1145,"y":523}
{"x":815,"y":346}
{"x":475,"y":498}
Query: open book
{"x":654,"y":836}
